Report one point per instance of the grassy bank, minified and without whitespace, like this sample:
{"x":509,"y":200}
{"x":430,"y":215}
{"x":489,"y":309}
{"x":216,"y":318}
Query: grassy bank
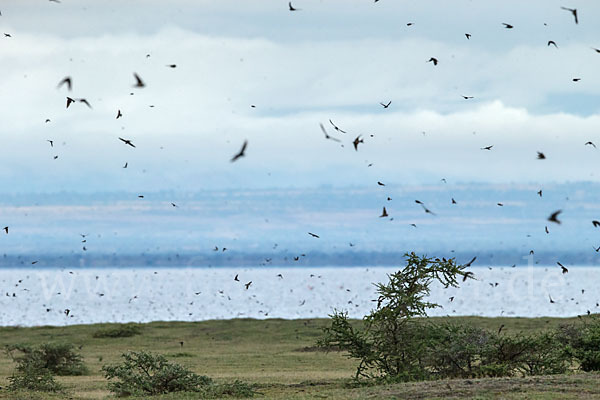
{"x":279,"y":357}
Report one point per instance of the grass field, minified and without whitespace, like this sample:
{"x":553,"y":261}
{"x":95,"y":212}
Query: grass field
{"x":278,"y":357}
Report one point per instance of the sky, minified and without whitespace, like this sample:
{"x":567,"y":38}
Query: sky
{"x":255,"y":71}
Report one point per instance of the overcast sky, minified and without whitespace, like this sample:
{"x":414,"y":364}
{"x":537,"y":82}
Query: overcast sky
{"x":331,"y":60}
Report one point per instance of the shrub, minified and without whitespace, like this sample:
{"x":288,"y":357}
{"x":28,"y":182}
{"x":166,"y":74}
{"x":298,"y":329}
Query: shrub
{"x":583,"y":342}
{"x":119,"y":331}
{"x":144,"y":373}
{"x":391,"y":345}
{"x":32,"y":376}
{"x":396,"y":346}
{"x":57,"y":358}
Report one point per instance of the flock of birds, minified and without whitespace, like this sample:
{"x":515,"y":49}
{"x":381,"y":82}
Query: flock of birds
{"x":139,"y":83}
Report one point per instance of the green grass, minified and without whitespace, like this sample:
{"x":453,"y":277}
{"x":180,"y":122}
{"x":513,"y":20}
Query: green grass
{"x":278,"y":357}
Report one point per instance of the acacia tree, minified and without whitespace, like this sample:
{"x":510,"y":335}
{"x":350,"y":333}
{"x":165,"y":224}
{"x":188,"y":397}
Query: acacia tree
{"x":392,"y":343}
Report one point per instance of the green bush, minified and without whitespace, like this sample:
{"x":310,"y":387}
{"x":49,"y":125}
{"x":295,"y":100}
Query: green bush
{"x":143,"y":374}
{"x":119,"y":331}
{"x":583,"y":342}
{"x":393,"y":345}
{"x":57,"y":358}
{"x":32,"y":376}
{"x":396,"y":346}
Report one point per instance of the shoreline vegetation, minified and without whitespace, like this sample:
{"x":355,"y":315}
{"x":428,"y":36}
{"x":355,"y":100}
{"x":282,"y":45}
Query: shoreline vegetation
{"x":279,"y":359}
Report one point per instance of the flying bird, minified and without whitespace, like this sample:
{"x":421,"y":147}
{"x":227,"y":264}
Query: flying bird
{"x":292,"y":7}
{"x":248,"y":285}
{"x":554,"y":217}
{"x":540,"y":156}
{"x":590,"y":144}
{"x":126,"y":141}
{"x":468,"y":36}
{"x":553,"y":43}
{"x":551,"y":301}
{"x":84,"y":101}
{"x":467,"y":97}
{"x":453,"y":201}
{"x":487,"y":147}
{"x":241,"y":153}
{"x":384,"y":213}
{"x":470,"y":262}
{"x":51,"y":142}
{"x":507,"y":26}
{"x":596,"y":223}
{"x":125,"y":166}
{"x":576,"y":79}
{"x":139,"y":83}
{"x":386,"y":105}
{"x":119,"y":114}
{"x":562,"y":267}
{"x":539,"y":192}
{"x":67,"y":81}
{"x":6,"y":229}
{"x":433,"y":60}
{"x":427,"y":210}
{"x":69,"y":101}
{"x":380,"y":183}
{"x":357,"y":141}
{"x":573,"y":11}
{"x":313,"y":235}
{"x":236,"y":278}
{"x":335,"y":127}
{"x":172,"y":65}
{"x":327,"y":135}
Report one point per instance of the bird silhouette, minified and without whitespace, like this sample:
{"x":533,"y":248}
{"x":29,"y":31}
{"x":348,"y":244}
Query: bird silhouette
{"x":384,"y":213}
{"x":539,"y":192}
{"x":596,"y":223}
{"x":507,"y":26}
{"x":292,"y":7}
{"x":335,"y":127}
{"x":357,"y":141}
{"x":433,"y":60}
{"x":572,"y":11}
{"x":313,"y":235}
{"x":554,"y":217}
{"x":553,"y":43}
{"x":470,"y":262}
{"x":386,"y":105}
{"x":236,"y":278}
{"x":127,"y":141}
{"x":241,"y":153}
{"x":540,"y":156}
{"x":51,"y":142}
{"x":172,"y":65}
{"x":248,"y":285}
{"x":468,"y":36}
{"x":590,"y":144}
{"x":67,"y":81}
{"x":562,"y":267}
{"x":69,"y":101}
{"x":6,"y":229}
{"x":380,"y":183}
{"x":327,"y":135}
{"x":119,"y":114}
{"x":139,"y":83}
{"x":487,"y":147}
{"x":467,"y":97}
